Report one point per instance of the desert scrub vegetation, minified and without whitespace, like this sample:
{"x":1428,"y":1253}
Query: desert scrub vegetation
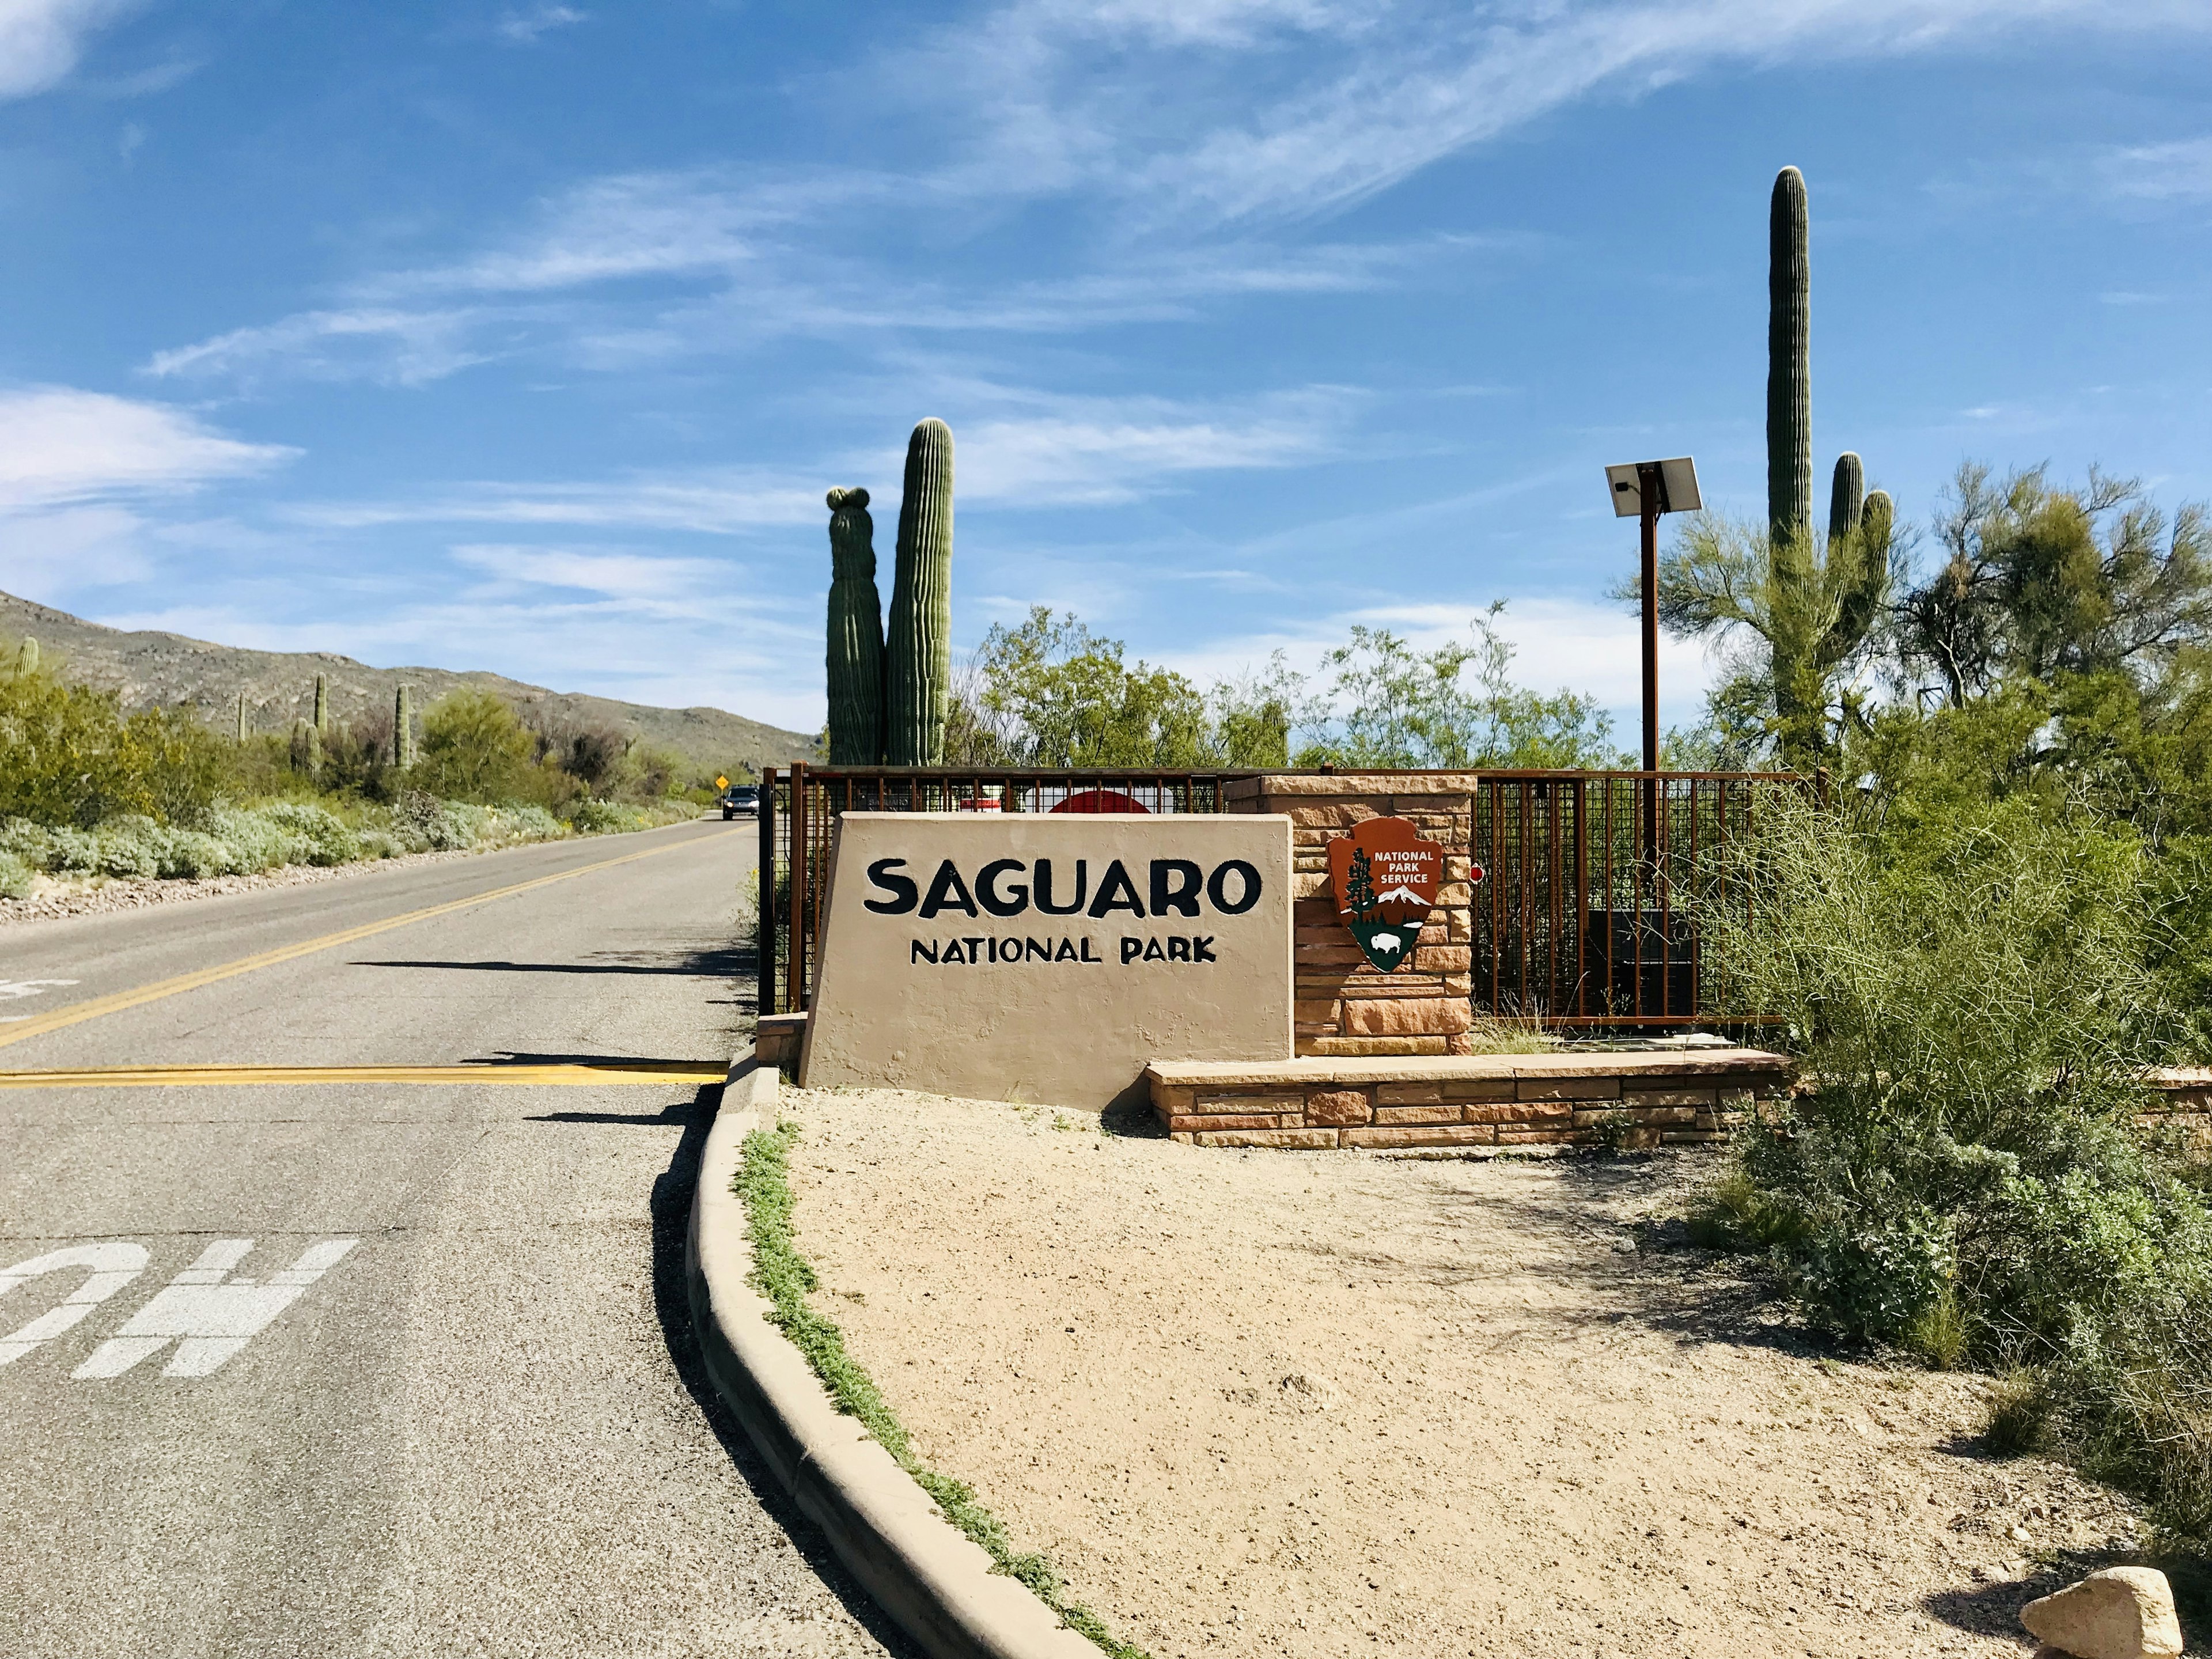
{"x":1976,"y":992}
{"x":89,"y":792}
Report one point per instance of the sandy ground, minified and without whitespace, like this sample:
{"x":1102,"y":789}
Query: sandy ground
{"x":1331,"y":1403}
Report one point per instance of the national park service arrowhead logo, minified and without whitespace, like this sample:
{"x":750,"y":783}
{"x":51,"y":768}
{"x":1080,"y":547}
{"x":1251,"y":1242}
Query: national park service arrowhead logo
{"x":1385,"y":878}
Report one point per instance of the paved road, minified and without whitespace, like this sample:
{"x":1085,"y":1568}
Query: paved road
{"x":480,"y":1428}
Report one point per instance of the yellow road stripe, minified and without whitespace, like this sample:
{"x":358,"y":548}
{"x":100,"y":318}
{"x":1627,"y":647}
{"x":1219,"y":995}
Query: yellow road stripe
{"x":76,"y":1013}
{"x":599,"y":1074}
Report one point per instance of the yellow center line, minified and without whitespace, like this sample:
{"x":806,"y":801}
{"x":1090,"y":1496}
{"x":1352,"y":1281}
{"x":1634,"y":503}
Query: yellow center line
{"x":76,"y":1013}
{"x":595,"y":1073}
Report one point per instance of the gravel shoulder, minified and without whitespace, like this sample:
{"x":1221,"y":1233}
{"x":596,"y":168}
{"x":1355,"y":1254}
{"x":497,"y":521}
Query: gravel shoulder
{"x":1325,"y":1403}
{"x":57,"y":898}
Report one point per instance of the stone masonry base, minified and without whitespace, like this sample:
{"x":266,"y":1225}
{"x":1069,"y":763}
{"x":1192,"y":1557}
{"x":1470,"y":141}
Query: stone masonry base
{"x":1631,"y":1099}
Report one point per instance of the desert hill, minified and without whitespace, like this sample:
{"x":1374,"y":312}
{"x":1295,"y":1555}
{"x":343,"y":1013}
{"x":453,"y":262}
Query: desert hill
{"x":152,"y":669}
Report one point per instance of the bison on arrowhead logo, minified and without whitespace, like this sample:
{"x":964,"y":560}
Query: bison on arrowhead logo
{"x":1385,"y":878}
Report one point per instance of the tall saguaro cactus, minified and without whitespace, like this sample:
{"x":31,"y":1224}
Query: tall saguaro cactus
{"x":1789,"y":361}
{"x":241,"y":714}
{"x":855,"y":661}
{"x":918,"y":668}
{"x":322,"y":704}
{"x":403,"y":727}
{"x":1846,"y":497}
{"x":27,"y":656}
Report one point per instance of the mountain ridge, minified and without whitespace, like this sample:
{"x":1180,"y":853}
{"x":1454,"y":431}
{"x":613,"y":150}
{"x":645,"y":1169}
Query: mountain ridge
{"x":151,"y":668}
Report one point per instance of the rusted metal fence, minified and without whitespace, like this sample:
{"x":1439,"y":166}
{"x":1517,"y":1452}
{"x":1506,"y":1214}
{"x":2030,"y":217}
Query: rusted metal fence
{"x":798,"y":814}
{"x":1592,"y":882}
{"x":1583,"y":918}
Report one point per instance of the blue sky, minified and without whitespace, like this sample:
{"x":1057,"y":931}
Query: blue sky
{"x":528,"y":337}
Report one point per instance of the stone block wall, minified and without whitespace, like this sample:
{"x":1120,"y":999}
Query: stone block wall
{"x":1628,"y":1099}
{"x":1343,"y":1006}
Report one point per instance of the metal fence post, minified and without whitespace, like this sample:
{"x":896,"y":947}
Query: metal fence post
{"x":764,"y":933}
{"x":795,"y":950}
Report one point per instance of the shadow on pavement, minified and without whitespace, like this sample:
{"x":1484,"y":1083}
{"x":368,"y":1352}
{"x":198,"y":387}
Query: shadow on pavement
{"x":671,"y":1221}
{"x":704,"y":965}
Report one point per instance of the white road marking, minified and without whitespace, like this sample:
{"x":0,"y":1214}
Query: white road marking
{"x":113,"y":1266}
{"x":11,"y":989}
{"x":208,"y":1319}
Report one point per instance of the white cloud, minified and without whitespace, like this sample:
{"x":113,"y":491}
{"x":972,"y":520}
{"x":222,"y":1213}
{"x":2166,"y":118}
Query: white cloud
{"x":392,"y":347}
{"x":58,"y":445}
{"x":1013,"y":448}
{"x":625,"y":225}
{"x":41,"y":40}
{"x":616,"y":575}
{"x":1173,"y":125}
{"x":1123,"y":449}
{"x":708,"y":502}
{"x":524,"y":27}
{"x":1569,"y":644}
{"x":2179,"y":170}
{"x":68,"y":549}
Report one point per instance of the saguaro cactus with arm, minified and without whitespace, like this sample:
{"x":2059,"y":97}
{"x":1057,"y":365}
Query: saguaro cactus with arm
{"x":856,"y":662}
{"x":1789,"y":361}
{"x":918,"y":668}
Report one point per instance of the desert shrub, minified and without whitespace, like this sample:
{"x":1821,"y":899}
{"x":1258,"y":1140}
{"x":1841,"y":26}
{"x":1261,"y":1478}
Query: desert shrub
{"x":16,"y":877}
{"x":318,"y":836}
{"x":68,"y":756}
{"x":2017,"y":1414}
{"x":1969,"y":988}
{"x":601,"y":817}
{"x":474,"y":749}
{"x":424,"y":824}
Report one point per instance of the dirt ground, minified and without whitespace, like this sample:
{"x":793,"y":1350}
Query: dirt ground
{"x":1324,"y":1403}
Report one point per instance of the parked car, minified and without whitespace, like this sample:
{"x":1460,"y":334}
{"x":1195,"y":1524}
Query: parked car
{"x":741,"y":797}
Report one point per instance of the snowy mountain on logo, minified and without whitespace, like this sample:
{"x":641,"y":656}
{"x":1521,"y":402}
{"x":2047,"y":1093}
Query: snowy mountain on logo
{"x":1402,"y":894}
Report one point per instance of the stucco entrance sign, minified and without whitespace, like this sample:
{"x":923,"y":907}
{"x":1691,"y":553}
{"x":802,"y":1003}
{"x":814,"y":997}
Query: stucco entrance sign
{"x":1385,"y":877}
{"x":1033,"y":956}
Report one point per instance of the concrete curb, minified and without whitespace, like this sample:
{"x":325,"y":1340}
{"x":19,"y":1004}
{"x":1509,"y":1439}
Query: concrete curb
{"x":936,"y":1585}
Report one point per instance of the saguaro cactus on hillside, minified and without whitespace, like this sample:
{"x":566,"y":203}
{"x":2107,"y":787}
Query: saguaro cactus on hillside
{"x":403,"y":727}
{"x":1846,"y":497}
{"x":918,"y":667}
{"x":1789,"y":361}
{"x":322,"y":704}
{"x":241,"y":714}
{"x":27,"y":656}
{"x":855,"y":661}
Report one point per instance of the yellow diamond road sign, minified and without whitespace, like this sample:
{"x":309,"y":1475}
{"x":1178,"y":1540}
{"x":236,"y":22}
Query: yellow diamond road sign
{"x":721,"y":782}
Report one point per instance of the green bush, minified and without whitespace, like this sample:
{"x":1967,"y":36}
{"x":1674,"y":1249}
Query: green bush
{"x":1969,"y":988}
{"x":16,"y":877}
{"x":474,"y":749}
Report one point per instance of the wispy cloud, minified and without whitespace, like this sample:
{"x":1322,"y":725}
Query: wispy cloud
{"x":524,"y":27}
{"x":2177,"y":170}
{"x":1099,"y":452}
{"x":58,"y":445}
{"x":720,"y":501}
{"x":1015,"y":448}
{"x":613,"y":573}
{"x":41,"y":40}
{"x":389,"y":346}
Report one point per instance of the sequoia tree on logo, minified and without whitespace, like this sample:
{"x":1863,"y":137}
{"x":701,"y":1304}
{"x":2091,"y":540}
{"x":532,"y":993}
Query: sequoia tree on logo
{"x":1386,"y":879}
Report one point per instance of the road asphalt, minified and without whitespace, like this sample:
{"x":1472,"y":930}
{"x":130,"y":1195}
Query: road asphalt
{"x":480,"y":1428}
